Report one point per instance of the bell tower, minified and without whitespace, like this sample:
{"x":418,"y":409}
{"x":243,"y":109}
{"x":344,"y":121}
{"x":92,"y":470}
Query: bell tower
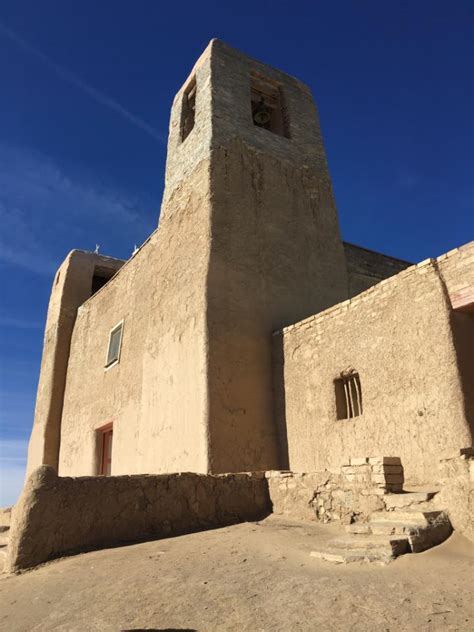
{"x":247,"y":137}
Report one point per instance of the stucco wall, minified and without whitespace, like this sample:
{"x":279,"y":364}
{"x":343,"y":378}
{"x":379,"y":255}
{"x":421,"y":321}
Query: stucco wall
{"x":248,"y":241}
{"x":398,"y":336}
{"x":156,"y":395}
{"x":457,"y":490}
{"x":276,"y":253}
{"x":56,"y":516}
{"x":72,"y":286}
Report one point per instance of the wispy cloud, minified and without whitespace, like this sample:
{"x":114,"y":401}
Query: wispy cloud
{"x":19,"y":245}
{"x":71,"y":78}
{"x":19,"y":323}
{"x":13,"y":454}
{"x":42,"y":208}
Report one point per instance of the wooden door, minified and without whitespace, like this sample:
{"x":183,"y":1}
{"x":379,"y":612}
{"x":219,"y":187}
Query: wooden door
{"x":106,"y":462}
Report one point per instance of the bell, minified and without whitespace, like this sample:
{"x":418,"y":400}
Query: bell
{"x":261,"y":115}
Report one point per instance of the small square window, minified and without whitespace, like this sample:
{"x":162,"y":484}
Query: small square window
{"x":348,"y":393}
{"x":115,"y":342}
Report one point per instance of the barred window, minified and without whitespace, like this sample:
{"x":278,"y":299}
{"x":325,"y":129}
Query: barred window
{"x":348,"y":393}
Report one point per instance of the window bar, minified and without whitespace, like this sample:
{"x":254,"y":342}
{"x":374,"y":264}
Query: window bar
{"x":347,"y":396}
{"x":350,"y":383}
{"x":359,"y":395}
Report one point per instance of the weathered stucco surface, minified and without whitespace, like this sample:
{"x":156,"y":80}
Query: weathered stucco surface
{"x":72,"y":285}
{"x":276,"y":253}
{"x":456,"y":476}
{"x":57,"y":516}
{"x":398,"y":336}
{"x":248,"y":241}
{"x":156,"y":395}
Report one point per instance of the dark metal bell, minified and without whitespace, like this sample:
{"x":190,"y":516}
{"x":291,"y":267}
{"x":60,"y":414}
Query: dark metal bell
{"x":261,"y":115}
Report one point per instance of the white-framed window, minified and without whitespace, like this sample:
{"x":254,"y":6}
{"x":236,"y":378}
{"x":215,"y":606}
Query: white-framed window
{"x":115,"y":344}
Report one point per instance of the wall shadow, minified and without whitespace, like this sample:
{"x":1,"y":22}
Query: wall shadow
{"x":279,"y":401}
{"x":463,"y":338}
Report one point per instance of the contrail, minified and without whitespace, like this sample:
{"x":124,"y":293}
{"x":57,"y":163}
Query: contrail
{"x":74,"y":80}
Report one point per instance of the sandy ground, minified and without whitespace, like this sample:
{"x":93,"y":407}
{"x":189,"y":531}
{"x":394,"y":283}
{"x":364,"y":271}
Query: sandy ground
{"x":253,"y":576}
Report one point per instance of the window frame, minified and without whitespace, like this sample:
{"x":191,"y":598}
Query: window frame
{"x":108,"y":365}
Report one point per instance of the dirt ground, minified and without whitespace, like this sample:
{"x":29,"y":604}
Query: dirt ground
{"x":248,"y":577}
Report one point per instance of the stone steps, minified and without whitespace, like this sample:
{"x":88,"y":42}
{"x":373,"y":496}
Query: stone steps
{"x":375,"y":549}
{"x":391,"y":544}
{"x":391,"y":528}
{"x":409,"y":517}
{"x":3,"y":558}
{"x":387,"y":535}
{"x":405,"y":500}
{"x":338,"y":556}
{"x":4,"y":538}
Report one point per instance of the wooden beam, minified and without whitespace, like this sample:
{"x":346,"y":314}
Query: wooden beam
{"x":463,"y":300}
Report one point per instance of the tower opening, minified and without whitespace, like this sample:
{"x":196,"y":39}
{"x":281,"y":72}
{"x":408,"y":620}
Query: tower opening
{"x":268,"y":107}
{"x":188,"y":110}
{"x":100,"y":278}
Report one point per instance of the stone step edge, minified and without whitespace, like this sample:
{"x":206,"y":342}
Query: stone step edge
{"x":410,"y":517}
{"x":371,"y":541}
{"x":354,"y":555}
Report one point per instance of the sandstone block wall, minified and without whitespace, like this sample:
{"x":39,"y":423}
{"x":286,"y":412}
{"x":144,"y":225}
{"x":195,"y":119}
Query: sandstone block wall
{"x":366,"y":268}
{"x":325,"y":496}
{"x":398,"y":336}
{"x":383,"y":473}
{"x":457,"y":267}
{"x":59,"y":515}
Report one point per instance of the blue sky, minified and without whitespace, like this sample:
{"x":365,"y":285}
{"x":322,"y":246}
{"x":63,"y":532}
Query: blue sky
{"x":86,"y":93}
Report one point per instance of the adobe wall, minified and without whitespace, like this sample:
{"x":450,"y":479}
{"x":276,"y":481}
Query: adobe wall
{"x":56,"y":516}
{"x":457,"y":490}
{"x":156,"y":395}
{"x":366,"y":268}
{"x":276,"y":253}
{"x":457,"y":271}
{"x":72,"y":286}
{"x":398,"y":336}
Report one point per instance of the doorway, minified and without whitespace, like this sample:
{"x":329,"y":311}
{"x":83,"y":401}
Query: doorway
{"x":106,"y":450}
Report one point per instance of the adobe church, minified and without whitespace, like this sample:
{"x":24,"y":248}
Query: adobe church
{"x":245,"y":335}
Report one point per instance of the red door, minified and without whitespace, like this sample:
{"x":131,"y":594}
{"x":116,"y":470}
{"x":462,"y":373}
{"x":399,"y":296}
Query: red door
{"x":106,"y":461}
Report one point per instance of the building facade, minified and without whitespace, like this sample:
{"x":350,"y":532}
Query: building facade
{"x":232,"y":341}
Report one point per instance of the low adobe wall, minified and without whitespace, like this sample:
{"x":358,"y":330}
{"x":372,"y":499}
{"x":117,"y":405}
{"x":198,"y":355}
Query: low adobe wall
{"x":60,"y":515}
{"x":457,"y":491}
